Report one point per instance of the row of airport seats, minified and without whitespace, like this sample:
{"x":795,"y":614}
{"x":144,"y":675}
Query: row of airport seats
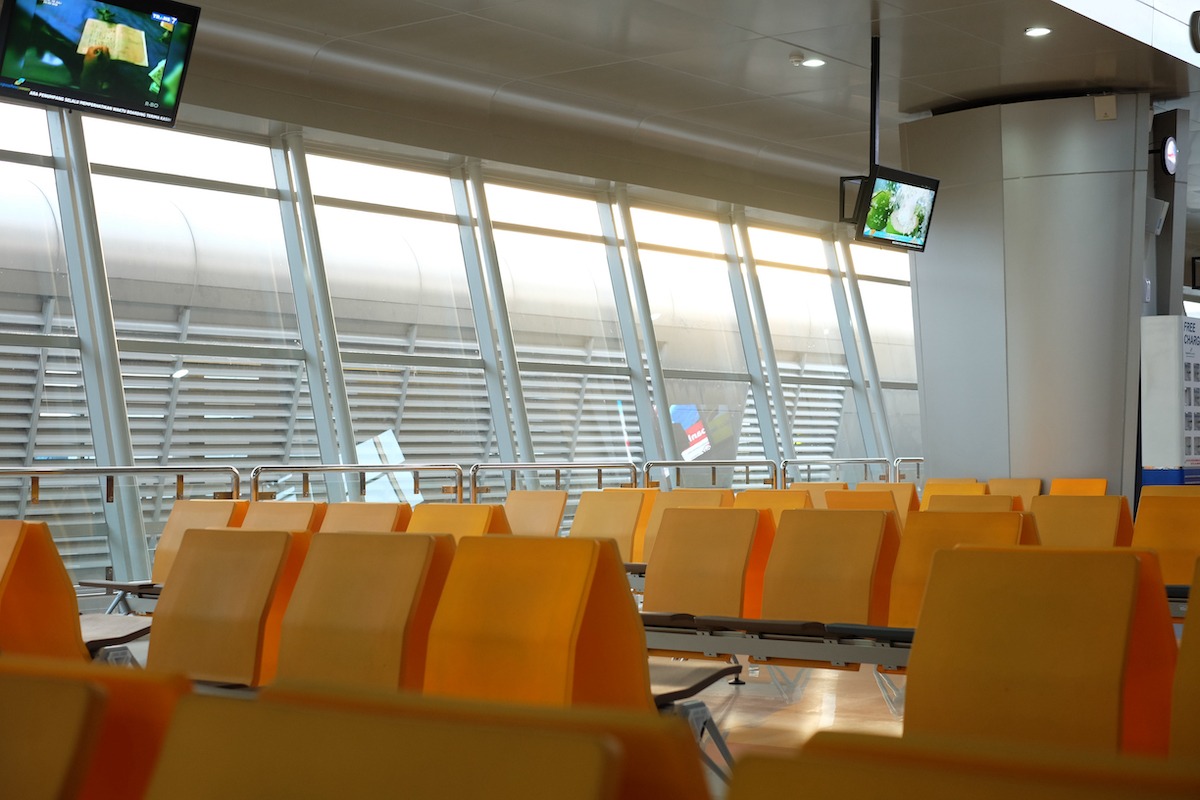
{"x":1058,"y":650}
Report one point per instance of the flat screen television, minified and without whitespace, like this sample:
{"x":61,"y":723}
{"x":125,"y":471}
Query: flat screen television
{"x":894,"y":208}
{"x":125,"y":59}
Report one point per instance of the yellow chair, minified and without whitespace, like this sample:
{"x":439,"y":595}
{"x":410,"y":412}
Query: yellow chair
{"x":1083,"y":520}
{"x":219,"y":745}
{"x":1053,"y":647}
{"x":1024,"y":488}
{"x":1170,"y":526}
{"x":355,"y":517}
{"x":50,"y":726}
{"x":1190,"y":490}
{"x":931,"y":531}
{"x":702,"y":563}
{"x":1185,"y":696}
{"x":775,"y":501}
{"x":536,"y":512}
{"x":817,"y":489}
{"x":658,"y":752}
{"x":136,"y":711}
{"x":283,"y":515}
{"x":905,"y":494}
{"x":540,"y":621}
{"x":219,"y":617}
{"x":972,"y":502}
{"x":933,"y":488}
{"x":609,"y":515}
{"x":1079,"y":486}
{"x":649,"y":496}
{"x":680,"y":498}
{"x":457,"y":519}
{"x":941,"y":769}
{"x":361,"y":609}
{"x":846,"y":500}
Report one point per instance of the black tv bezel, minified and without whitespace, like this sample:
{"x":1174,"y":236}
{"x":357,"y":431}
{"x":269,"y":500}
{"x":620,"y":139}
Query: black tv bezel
{"x":90,"y":103}
{"x":863,"y":204}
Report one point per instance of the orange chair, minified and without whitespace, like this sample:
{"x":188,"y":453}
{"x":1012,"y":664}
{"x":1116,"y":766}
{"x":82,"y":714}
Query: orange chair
{"x":972,"y":502}
{"x":135,"y":713}
{"x":537,"y":512}
{"x":864,"y":501}
{"x":1079,"y":486}
{"x":284,"y":515}
{"x":905,"y":494}
{"x":817,"y":489}
{"x":679,"y":498}
{"x":933,"y":488}
{"x":1170,"y":526}
{"x":458,"y":519}
{"x":1032,"y":645}
{"x":1185,"y":696}
{"x":219,"y":617}
{"x":356,"y":517}
{"x":361,"y":609}
{"x":1083,"y":520}
{"x":609,"y":515}
{"x":1024,"y":488}
{"x":775,"y":501}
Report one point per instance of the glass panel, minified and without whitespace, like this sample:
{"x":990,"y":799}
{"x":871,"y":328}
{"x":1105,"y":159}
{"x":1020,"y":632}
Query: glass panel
{"x":803,"y":321}
{"x":542,"y":210}
{"x":24,"y":129}
{"x":560,"y":299}
{"x":787,"y":248}
{"x":34,"y":288}
{"x":889,"y":313}
{"x":195,"y":264}
{"x":582,"y":417}
{"x":692,"y":308}
{"x":408,"y":297}
{"x":371,"y":183}
{"x":706,"y":418}
{"x":903,"y":409}
{"x":879,"y":262}
{"x":677,"y":230}
{"x":121,"y":144}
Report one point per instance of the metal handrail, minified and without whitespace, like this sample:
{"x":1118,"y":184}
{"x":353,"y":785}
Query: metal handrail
{"x":558,"y":467}
{"x":35,"y":474}
{"x":896,"y":464}
{"x":362,"y":469}
{"x":679,"y":466}
{"x":834,"y":462}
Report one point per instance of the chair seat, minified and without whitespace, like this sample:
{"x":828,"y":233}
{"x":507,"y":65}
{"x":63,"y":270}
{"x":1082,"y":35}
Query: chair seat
{"x":108,"y":630}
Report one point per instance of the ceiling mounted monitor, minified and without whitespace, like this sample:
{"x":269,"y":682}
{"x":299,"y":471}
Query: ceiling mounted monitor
{"x":124,"y":59}
{"x":894,"y":208}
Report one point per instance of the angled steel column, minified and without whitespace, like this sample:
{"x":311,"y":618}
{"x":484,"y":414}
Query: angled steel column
{"x":314,"y":309}
{"x":858,"y":382}
{"x":99,"y":355}
{"x":637,"y":285}
{"x":639,"y":380}
{"x":482,"y":314}
{"x":759,"y":307}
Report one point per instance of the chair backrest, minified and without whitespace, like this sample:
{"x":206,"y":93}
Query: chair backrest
{"x":972,"y":502}
{"x":831,"y":566}
{"x":39,"y":614}
{"x":284,"y":515}
{"x":905,"y":494}
{"x":1024,"y":488}
{"x":609,"y":515}
{"x":265,"y":749}
{"x":1061,"y":647}
{"x":1083,"y":520}
{"x":457,"y":519}
{"x":1161,"y":490}
{"x":1185,"y":696}
{"x":817,"y":489}
{"x":538,"y":620}
{"x":1170,"y":526}
{"x":775,"y":501}
{"x":189,"y":513}
{"x":649,"y":496}
{"x":50,"y":726}
{"x":355,"y":517}
{"x":701,"y":563}
{"x":935,"y":487}
{"x":136,"y":711}
{"x":361,"y":610}
{"x":658,"y":750}
{"x":939,"y":769}
{"x":930,"y":531}
{"x":1084,"y":486}
{"x":218,"y":618}
{"x":846,"y":500}
{"x":535,"y":512}
{"x":680,"y":498}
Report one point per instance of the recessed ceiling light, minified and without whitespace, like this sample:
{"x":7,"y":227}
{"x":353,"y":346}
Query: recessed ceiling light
{"x":1037,"y":31}
{"x":799,"y":59}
